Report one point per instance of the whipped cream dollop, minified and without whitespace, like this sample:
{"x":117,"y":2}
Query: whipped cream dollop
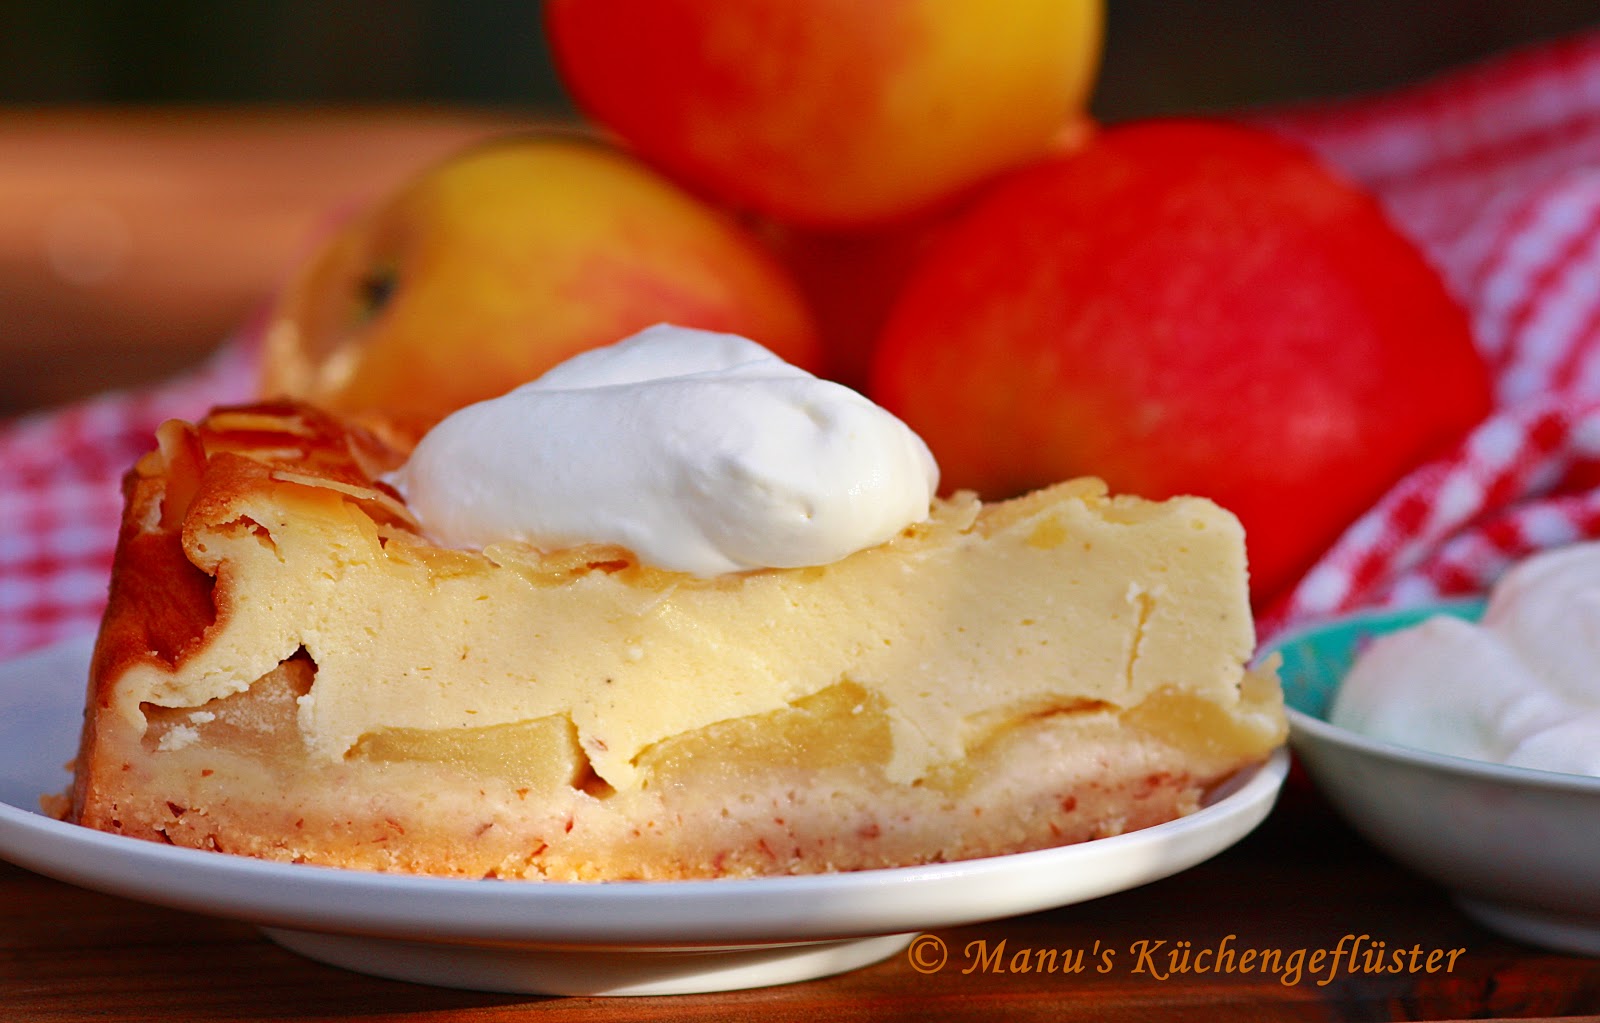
{"x":1521,"y":687}
{"x":701,"y":452}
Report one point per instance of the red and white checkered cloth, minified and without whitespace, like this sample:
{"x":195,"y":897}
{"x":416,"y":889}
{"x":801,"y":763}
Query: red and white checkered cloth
{"x":1493,"y":170}
{"x":61,"y":495}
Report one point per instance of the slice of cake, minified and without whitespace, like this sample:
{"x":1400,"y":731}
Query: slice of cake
{"x":291,"y":668}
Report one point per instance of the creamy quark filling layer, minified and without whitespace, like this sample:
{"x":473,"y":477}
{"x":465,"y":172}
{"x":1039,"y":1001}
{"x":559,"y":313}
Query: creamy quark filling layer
{"x":407,"y":637}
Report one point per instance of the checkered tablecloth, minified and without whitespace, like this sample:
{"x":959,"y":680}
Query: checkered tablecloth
{"x":1494,"y":171}
{"x":61,"y":496}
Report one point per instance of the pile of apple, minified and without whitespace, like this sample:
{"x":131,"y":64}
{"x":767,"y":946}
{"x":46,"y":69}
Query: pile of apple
{"x":908,"y":196}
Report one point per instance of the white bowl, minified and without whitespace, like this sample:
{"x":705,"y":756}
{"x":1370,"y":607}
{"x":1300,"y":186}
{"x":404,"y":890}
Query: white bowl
{"x":1518,"y":848}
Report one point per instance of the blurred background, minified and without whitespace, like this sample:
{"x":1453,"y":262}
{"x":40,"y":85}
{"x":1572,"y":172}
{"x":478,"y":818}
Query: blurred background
{"x":162,"y":166}
{"x":1161,"y":55}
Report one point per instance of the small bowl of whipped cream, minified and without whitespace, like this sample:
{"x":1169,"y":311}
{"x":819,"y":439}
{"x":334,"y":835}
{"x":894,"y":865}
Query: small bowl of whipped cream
{"x":1463,"y":739}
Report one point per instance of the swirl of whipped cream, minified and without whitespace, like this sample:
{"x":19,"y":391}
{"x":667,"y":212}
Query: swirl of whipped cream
{"x":700,"y":452}
{"x":1521,"y":687}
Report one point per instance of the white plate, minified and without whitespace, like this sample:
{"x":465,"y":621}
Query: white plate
{"x":566,"y":938}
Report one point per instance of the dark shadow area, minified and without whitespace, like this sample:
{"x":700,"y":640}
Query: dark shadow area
{"x":1161,"y":56}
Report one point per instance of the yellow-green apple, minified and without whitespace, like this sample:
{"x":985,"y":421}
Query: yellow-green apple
{"x":504,"y":259}
{"x":1184,"y":306}
{"x":830,"y":113}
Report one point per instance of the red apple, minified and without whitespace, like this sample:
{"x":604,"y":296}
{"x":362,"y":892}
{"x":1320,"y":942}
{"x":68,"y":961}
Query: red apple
{"x":1184,"y":306}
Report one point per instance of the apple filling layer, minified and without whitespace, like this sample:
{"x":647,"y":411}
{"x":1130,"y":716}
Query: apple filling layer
{"x":289,"y":669}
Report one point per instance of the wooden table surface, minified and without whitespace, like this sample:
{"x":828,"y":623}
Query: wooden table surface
{"x":131,"y":242}
{"x":1301,"y":881}
{"x":134,"y":240}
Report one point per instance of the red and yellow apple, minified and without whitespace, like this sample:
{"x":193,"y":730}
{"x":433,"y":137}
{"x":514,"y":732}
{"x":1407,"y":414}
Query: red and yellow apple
{"x":495,"y":264}
{"x":1184,"y":306}
{"x":830,"y":113}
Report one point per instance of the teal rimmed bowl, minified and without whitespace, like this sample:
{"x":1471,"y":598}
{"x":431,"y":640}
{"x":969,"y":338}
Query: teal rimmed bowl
{"x":1519,"y":849}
